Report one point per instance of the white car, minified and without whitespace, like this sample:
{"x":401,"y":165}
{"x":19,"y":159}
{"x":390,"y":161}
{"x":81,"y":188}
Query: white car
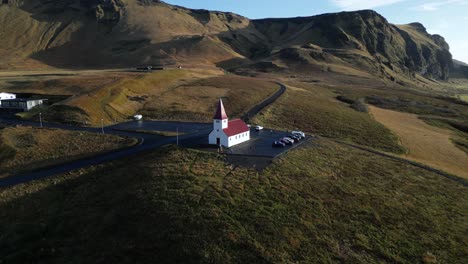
{"x":137,"y":117}
{"x":299,"y":133}
{"x":291,"y":141}
{"x":258,"y":128}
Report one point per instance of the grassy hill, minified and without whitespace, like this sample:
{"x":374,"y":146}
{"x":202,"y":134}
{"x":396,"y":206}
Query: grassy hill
{"x":173,"y":94}
{"x":321,"y":203}
{"x":24,"y":149}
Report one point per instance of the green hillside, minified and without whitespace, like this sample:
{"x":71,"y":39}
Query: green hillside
{"x":322,"y":203}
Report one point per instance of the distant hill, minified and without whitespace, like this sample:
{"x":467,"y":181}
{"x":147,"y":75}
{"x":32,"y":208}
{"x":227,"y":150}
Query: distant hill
{"x":127,"y":33}
{"x":457,"y":63}
{"x":460,"y":69}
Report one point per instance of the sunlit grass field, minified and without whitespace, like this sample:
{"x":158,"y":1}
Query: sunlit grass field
{"x":425,"y":143}
{"x":314,"y":109}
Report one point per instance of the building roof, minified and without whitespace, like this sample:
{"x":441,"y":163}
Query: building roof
{"x":235,"y":127}
{"x":23,"y":99}
{"x":220,"y":112}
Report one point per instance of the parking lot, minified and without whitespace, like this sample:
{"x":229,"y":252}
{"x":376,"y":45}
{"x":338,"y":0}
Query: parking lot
{"x":166,"y":126}
{"x":196,"y":136}
{"x":260,"y":144}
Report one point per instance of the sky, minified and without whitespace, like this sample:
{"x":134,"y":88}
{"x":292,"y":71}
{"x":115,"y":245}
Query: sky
{"x":448,"y":18}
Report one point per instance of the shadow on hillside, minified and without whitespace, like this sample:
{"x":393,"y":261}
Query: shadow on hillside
{"x":76,"y":39}
{"x":99,"y":217}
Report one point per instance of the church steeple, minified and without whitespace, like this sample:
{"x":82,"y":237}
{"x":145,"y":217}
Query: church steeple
{"x":220,"y":112}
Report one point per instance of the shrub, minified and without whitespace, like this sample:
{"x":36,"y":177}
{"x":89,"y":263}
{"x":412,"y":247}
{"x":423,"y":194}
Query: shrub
{"x":360,"y":106}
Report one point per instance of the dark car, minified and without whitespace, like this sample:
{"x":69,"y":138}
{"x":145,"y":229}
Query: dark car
{"x":295,"y":138}
{"x":278,"y":144}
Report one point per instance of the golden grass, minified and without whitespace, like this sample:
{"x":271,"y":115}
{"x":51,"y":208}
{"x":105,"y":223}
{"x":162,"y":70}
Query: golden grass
{"x":173,"y":94}
{"x":464,"y":97}
{"x":197,"y":100}
{"x":314,"y":109}
{"x":416,"y":35}
{"x":71,"y":85}
{"x":31,"y":148}
{"x":425,"y":143}
{"x":113,"y":102}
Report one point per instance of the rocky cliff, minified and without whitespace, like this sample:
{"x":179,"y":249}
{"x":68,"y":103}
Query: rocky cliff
{"x":123,"y":33}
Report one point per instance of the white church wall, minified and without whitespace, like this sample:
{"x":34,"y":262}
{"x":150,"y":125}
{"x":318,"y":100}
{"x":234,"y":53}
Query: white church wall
{"x":240,"y":138}
{"x":218,"y":134}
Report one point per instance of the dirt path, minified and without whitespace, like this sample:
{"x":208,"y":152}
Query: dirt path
{"x":426,"y":144}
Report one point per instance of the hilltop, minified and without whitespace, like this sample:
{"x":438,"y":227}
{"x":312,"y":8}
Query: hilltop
{"x":127,"y":33}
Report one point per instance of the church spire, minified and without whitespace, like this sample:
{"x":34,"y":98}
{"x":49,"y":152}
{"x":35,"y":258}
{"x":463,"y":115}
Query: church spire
{"x":220,"y":112}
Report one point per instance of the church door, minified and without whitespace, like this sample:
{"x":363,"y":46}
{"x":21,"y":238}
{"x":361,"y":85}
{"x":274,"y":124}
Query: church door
{"x":218,"y":141}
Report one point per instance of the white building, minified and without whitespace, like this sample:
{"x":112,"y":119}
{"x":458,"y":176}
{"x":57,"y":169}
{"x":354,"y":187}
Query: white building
{"x":22,"y":104}
{"x":4,"y":96}
{"x":227,"y":132}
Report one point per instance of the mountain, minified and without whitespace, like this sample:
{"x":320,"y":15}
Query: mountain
{"x":458,"y":64}
{"x":460,"y":69}
{"x":127,"y":33}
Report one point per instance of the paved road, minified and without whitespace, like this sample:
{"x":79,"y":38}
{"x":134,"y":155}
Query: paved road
{"x":146,"y":142}
{"x":193,"y":132}
{"x":167,"y":126}
{"x":256,"y":109}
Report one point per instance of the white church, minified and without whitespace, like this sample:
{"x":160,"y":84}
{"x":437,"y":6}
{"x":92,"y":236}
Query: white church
{"x":227,"y":133}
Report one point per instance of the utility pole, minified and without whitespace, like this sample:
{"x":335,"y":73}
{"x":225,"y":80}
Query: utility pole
{"x":40,"y":119}
{"x":102,"y":125}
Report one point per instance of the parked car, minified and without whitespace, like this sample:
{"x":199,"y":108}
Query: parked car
{"x":258,"y":128}
{"x":278,"y":144}
{"x":300,"y":133}
{"x":287,"y":141}
{"x":137,"y":117}
{"x":296,"y":138}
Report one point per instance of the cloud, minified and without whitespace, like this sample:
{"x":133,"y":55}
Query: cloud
{"x":434,"y":6}
{"x":363,"y":4}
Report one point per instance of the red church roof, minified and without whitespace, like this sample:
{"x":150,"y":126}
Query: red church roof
{"x":220,"y":112}
{"x":235,"y":126}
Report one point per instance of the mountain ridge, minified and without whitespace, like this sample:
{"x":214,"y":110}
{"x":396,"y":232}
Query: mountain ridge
{"x":125,"y":33}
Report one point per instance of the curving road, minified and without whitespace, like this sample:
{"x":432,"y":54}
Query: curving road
{"x":256,"y":109}
{"x":194,"y":132}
